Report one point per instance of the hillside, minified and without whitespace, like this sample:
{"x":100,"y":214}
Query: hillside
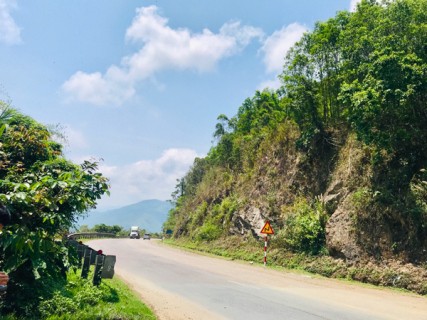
{"x":335,"y":159}
{"x":148,"y":214}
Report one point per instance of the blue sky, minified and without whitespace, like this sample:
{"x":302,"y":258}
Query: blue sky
{"x":140,"y":84}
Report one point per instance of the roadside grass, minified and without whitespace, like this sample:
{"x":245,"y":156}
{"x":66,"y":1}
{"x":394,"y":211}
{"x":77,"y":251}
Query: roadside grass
{"x":80,"y":299}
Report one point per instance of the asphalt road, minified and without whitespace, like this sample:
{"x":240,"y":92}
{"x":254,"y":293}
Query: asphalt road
{"x":181,"y":285}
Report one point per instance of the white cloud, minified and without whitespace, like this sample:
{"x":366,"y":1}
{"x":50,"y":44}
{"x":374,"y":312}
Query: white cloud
{"x":353,"y":5}
{"x":10,"y":33}
{"x":98,"y":89}
{"x":277,"y":45}
{"x":163,"y":48}
{"x":146,"y":179}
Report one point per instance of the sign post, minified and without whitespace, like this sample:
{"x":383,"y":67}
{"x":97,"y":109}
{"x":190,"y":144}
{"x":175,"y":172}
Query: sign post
{"x":267,"y":229}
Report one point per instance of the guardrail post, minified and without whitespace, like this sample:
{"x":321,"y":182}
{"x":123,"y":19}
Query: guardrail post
{"x":80,"y":253}
{"x":86,"y":262}
{"x":99,"y":261}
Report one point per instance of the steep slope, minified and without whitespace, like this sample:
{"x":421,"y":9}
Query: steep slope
{"x":335,"y":159}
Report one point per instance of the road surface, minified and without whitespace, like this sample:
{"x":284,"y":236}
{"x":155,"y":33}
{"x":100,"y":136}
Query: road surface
{"x":178,"y":284}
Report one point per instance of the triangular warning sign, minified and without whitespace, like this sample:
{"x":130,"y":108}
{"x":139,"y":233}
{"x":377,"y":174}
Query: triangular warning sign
{"x":267,"y":229}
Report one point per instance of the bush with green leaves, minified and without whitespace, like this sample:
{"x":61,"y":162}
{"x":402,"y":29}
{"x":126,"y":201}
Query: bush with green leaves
{"x":45,"y":194}
{"x":208,"y":232}
{"x":79,"y":299}
{"x":76,"y":295}
{"x":304,"y":227}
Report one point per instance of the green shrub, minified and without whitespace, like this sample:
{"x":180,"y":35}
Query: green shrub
{"x":90,"y":295}
{"x":79,"y":299}
{"x":304,"y":229}
{"x":198,"y":215}
{"x":208,"y":232}
{"x":361,"y":198}
{"x":223,"y":212}
{"x":58,"y":305}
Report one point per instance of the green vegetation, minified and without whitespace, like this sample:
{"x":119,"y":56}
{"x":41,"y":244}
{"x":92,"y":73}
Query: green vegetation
{"x":304,"y":227}
{"x":349,"y":122}
{"x":79,"y":299}
{"x":44,"y":193}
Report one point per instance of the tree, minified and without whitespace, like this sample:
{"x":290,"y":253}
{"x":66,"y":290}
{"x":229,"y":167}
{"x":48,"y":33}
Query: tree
{"x":45,"y":194}
{"x":222,"y":127}
{"x":386,"y":98}
{"x":108,"y":229}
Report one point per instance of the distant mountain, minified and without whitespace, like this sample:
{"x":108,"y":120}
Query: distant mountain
{"x":148,"y":214}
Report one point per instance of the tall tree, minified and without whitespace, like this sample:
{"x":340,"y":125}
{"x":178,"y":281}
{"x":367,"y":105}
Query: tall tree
{"x":386,"y":98}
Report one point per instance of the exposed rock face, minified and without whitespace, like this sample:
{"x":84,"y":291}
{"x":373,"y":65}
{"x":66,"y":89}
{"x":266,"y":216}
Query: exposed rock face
{"x":249,"y":221}
{"x":362,"y":227}
{"x":341,"y":239}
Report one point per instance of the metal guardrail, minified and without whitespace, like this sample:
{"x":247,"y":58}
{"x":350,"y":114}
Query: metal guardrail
{"x":91,"y":235}
{"x":104,"y":264}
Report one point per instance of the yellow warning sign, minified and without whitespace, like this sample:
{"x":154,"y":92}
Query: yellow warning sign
{"x":267,"y":229}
